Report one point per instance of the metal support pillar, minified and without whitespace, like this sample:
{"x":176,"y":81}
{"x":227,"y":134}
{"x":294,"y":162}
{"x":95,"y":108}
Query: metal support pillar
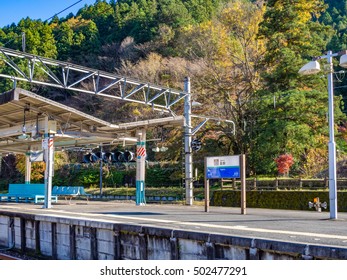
{"x":100,"y":170}
{"x":187,"y":143}
{"x":27,"y":168}
{"x":332,"y":144}
{"x":140,"y":166}
{"x":48,"y":146}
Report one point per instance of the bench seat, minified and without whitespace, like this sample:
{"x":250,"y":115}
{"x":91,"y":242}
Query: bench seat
{"x":70,"y":192}
{"x":26,"y":193}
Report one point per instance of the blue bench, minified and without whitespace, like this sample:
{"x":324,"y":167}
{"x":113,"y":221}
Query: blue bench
{"x":26,"y":193}
{"x":70,"y":192}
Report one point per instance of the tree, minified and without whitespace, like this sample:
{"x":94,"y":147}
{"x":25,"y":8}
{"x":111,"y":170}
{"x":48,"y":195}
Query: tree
{"x":284,"y":162}
{"x":290,"y":103}
{"x":38,"y":37}
{"x":291,"y":122}
{"x":39,"y":40}
{"x":65,"y":40}
{"x":38,"y":168}
{"x":293,"y":33}
{"x":202,"y":10}
{"x":78,"y":40}
{"x":136,"y":19}
{"x":102,"y":14}
{"x":227,"y":54}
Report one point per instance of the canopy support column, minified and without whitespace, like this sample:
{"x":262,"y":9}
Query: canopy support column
{"x":140,"y":166}
{"x":27,"y":168}
{"x":48,"y":145}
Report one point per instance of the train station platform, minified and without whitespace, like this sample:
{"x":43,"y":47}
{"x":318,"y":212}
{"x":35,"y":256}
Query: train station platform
{"x":300,"y":226}
{"x":304,"y":228}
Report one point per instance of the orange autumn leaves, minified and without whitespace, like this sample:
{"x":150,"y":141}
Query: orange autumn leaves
{"x":284,"y":162}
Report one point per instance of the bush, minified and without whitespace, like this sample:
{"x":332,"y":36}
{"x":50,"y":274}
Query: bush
{"x":114,"y":176}
{"x":291,"y":200}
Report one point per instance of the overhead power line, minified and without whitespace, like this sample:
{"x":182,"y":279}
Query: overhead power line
{"x":63,"y":10}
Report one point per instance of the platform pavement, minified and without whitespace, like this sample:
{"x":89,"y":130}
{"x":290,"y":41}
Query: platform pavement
{"x":307,"y":227}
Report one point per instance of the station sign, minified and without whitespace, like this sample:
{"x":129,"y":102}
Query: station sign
{"x":223,"y":167}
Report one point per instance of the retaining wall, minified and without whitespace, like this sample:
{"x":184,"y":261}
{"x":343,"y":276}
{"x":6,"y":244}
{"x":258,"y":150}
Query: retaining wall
{"x":61,"y":238}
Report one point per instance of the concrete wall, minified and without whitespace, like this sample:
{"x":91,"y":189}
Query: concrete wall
{"x":68,"y":238}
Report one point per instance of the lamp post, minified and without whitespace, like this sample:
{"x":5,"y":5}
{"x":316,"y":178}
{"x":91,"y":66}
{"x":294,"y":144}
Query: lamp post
{"x":310,"y":68}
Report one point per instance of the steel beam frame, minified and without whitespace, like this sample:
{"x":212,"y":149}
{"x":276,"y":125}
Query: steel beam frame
{"x":65,"y":75}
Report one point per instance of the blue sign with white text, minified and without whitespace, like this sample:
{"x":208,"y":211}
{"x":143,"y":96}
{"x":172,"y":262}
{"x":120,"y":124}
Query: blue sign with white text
{"x":223,"y":172}
{"x":223,"y":167}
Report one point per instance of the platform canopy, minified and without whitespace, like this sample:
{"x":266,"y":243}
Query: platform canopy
{"x":25,"y":116}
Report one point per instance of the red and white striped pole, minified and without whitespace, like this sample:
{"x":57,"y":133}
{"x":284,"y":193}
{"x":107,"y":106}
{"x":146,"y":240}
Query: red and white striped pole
{"x":140,"y":166}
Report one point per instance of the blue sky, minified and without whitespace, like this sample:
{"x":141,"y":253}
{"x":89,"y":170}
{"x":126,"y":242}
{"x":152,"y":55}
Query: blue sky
{"x":12,"y":11}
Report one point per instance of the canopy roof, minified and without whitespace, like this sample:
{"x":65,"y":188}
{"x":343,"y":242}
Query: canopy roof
{"x":24,"y":115}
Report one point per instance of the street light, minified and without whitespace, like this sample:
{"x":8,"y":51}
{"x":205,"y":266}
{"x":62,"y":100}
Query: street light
{"x":310,"y":68}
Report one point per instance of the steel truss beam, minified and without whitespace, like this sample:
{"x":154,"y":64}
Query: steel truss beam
{"x":64,"y":75}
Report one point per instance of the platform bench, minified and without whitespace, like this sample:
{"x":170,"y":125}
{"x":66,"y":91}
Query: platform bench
{"x":26,"y":193}
{"x":70,"y":192}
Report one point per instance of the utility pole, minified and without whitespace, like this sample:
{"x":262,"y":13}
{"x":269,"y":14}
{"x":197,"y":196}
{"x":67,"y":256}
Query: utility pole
{"x":187,"y":143}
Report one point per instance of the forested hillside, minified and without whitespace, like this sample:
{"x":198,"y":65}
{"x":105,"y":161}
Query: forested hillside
{"x":242,"y":57}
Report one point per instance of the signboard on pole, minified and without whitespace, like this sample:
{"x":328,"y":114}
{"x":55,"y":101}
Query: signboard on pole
{"x":35,"y":156}
{"x":223,"y":167}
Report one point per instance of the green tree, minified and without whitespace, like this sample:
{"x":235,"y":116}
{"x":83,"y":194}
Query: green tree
{"x":135,"y":19}
{"x":38,"y":37}
{"x":102,"y":14}
{"x":65,"y":40}
{"x":39,"y":40}
{"x":292,"y":122}
{"x":78,"y":40}
{"x":289,"y":103}
{"x":293,"y":33}
{"x":202,"y":10}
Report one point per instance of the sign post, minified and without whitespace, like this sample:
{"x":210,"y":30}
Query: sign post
{"x":207,"y":190}
{"x":222,"y":167}
{"x":243,"y":183}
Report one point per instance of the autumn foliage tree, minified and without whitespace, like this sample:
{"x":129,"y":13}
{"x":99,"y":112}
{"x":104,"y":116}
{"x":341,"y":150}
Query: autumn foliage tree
{"x":38,"y":168}
{"x":284,"y":162}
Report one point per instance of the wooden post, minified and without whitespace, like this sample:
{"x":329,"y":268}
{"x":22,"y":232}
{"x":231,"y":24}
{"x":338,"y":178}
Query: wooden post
{"x":243,"y":183}
{"x":326,"y":182}
{"x":207,"y":189}
{"x":300,"y":183}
